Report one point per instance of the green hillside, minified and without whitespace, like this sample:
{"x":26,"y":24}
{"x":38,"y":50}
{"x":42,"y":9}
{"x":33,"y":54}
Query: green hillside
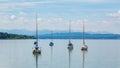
{"x":14,"y":36}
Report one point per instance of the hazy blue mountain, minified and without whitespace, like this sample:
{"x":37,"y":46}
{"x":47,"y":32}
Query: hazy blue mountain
{"x":78,"y":35}
{"x":28,"y":32}
{"x":22,"y":32}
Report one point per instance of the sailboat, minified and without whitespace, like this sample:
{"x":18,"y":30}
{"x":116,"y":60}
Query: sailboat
{"x":51,"y":43}
{"x":70,"y":45}
{"x":36,"y":49}
{"x":84,"y":46}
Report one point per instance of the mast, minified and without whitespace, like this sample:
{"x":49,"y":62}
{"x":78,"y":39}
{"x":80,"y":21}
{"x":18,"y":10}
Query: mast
{"x":51,"y":43}
{"x":51,"y":36}
{"x":83,"y":33}
{"x":36,"y":31}
{"x":69,"y":31}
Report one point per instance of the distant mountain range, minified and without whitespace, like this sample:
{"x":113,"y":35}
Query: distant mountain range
{"x":20,"y":32}
{"x":78,"y":35}
{"x":46,"y":34}
{"x":28,"y":32}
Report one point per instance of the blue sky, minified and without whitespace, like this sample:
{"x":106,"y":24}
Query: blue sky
{"x":99,"y":15}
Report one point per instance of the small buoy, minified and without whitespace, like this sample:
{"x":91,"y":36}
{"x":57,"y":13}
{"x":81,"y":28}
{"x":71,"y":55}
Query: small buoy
{"x":70,"y":46}
{"x":51,"y":44}
{"x":35,"y":42}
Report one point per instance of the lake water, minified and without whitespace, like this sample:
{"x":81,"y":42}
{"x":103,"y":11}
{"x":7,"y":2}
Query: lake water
{"x":100,"y":54}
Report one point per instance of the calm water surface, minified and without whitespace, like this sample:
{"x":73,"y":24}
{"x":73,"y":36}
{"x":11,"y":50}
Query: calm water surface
{"x":100,"y":54}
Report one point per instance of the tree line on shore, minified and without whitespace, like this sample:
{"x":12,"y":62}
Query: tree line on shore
{"x":14,"y":36}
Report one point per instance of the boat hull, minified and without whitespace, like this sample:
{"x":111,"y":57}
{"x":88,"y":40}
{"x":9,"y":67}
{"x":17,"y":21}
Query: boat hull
{"x":84,"y":48}
{"x":36,"y":51}
{"x":70,"y":46}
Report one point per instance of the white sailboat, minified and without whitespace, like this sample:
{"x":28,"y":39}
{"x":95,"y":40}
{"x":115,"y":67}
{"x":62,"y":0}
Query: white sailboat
{"x":36,"y":49}
{"x":70,"y":45}
{"x":84,"y":46}
{"x":51,"y":43}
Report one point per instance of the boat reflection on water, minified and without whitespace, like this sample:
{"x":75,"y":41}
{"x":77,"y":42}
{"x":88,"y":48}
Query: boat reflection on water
{"x":37,"y":55}
{"x":51,"y":44}
{"x":70,"y":51}
{"x":51,"y":54}
{"x":83,"y":58}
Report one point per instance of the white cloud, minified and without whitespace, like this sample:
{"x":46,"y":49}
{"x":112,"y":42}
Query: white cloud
{"x":22,"y":13}
{"x":83,"y":1}
{"x":11,"y":5}
{"x":92,"y":0}
{"x":118,"y":11}
{"x":58,"y":24}
{"x":12,"y":17}
{"x":40,"y":19}
{"x":116,"y":14}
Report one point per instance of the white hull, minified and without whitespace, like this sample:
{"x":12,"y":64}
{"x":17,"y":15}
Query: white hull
{"x":84,"y":47}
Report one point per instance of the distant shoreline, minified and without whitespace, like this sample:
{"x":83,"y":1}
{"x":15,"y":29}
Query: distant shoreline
{"x":74,"y":35}
{"x":14,"y":36}
{"x":59,"y":39}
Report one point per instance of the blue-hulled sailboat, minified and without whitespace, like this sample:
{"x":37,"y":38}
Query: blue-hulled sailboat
{"x":36,"y":49}
{"x":70,"y":45}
